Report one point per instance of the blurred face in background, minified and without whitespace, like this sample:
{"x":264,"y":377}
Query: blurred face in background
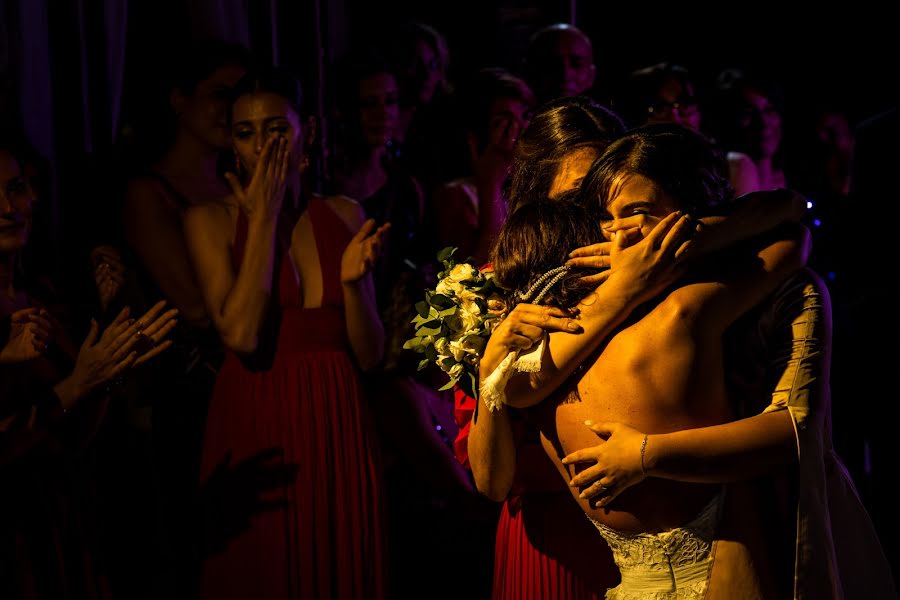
{"x":422,"y":74}
{"x":675,"y":103}
{"x":563,"y":65}
{"x":508,"y":118}
{"x":204,"y":111}
{"x":759,"y":121}
{"x":379,"y":108}
{"x":258,"y":117}
{"x":16,"y":201}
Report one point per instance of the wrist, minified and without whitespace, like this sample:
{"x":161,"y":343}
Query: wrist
{"x":69,"y":390}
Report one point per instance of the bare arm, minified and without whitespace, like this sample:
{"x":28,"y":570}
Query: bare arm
{"x":364,"y":326}
{"x":492,"y":453}
{"x":490,"y":444}
{"x":153,"y":228}
{"x":639,"y":272}
{"x":743,"y":449}
{"x":754,"y":214}
{"x":237,"y":301}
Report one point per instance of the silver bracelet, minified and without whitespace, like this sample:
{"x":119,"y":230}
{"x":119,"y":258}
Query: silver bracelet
{"x":643,"y":447}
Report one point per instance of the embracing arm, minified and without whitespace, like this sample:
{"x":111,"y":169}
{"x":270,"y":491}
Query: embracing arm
{"x":797,"y":377}
{"x":751,"y":215}
{"x":639,"y":272}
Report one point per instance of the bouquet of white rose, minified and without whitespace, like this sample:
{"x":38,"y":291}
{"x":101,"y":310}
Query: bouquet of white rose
{"x":455,"y":320}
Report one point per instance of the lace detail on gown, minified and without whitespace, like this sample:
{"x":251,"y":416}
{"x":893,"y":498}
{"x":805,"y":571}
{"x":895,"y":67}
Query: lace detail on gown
{"x":672,"y":565}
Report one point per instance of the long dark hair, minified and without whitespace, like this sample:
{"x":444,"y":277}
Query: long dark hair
{"x":538,"y":238}
{"x":270,"y":80}
{"x":683,"y":163}
{"x":556,"y":129}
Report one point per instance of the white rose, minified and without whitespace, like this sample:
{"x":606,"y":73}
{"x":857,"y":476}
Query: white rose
{"x":442,"y":346}
{"x":474,"y":344}
{"x":470,"y":320}
{"x":457,"y":350}
{"x":467,"y":299}
{"x":455,"y":323}
{"x":449,"y":288}
{"x":456,"y":371}
{"x":463,"y":272}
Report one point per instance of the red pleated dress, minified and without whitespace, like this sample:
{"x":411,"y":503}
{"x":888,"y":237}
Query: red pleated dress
{"x":545,"y":549}
{"x":320,"y":536}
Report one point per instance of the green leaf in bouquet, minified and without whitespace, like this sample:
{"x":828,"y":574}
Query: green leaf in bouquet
{"x":446,"y":254}
{"x":423,"y":363}
{"x":430,"y":353}
{"x":448,"y":386}
{"x":446,"y":363}
{"x":447,"y":311}
{"x":415,"y":344}
{"x":422,"y":308}
{"x":467,"y":384}
{"x":440,"y":301}
{"x":481,"y":303}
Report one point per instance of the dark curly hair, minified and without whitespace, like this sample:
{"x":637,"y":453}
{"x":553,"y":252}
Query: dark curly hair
{"x":683,"y":163}
{"x":537,"y":238}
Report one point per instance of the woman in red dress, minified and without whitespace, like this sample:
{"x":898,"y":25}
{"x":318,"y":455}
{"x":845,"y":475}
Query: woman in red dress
{"x":544,"y":548}
{"x":285,"y":277}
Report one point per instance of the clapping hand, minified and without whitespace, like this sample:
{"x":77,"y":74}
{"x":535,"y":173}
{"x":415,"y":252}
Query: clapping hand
{"x":362,"y":251}
{"x":125,"y":343}
{"x":264,"y":194}
{"x":30,"y":334}
{"x":109,"y":273}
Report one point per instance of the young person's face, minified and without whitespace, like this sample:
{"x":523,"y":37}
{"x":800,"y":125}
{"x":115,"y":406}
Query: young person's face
{"x":257,"y":117}
{"x":16,"y":199}
{"x":204,"y":112}
{"x":571,"y":170}
{"x":379,"y":108}
{"x":635,"y":201}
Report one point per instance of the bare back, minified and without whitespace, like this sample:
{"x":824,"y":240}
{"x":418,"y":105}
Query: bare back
{"x":663,"y":373}
{"x":660,"y":373}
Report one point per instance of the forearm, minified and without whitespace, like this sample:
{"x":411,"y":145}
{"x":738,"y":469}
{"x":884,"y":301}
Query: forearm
{"x":733,"y":451}
{"x":492,"y":452}
{"x":600,"y":315}
{"x":752,"y":215}
{"x":364,"y":327}
{"x":243,"y":311}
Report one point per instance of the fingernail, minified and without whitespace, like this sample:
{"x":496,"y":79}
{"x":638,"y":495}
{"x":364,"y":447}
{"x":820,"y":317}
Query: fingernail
{"x":572,"y":326}
{"x":581,"y":495}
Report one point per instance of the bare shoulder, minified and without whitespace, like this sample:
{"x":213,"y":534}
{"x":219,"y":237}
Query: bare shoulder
{"x":349,"y":210}
{"x":217,"y":215}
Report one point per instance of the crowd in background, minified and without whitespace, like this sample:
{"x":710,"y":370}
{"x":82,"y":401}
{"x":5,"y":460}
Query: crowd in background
{"x":127,"y":483}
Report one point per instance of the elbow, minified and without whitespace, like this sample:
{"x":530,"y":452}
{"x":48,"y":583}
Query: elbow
{"x":369,"y":362}
{"x":239,"y":342}
{"x":491,"y":487}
